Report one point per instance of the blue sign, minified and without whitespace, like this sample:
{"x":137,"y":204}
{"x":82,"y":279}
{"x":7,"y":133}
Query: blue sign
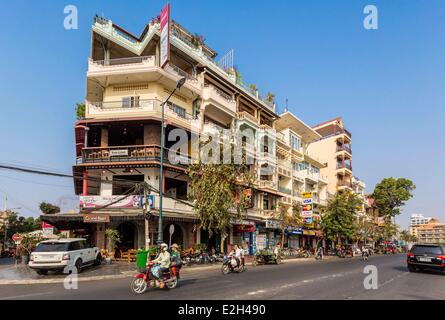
{"x":151,"y":201}
{"x":298,"y":230}
{"x":308,"y":220}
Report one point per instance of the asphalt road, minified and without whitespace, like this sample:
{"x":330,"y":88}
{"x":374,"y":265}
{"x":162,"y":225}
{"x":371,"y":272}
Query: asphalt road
{"x":333,"y":279}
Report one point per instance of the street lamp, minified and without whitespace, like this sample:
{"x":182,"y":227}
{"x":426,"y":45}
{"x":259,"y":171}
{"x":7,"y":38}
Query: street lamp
{"x":179,"y":84}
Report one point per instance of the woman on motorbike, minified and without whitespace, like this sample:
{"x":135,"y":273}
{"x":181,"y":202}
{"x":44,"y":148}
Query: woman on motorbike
{"x":163,"y":260}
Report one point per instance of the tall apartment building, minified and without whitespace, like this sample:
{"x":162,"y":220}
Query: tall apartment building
{"x":431,"y":232}
{"x":418,"y":219}
{"x":334,"y":147}
{"x":118,"y":142}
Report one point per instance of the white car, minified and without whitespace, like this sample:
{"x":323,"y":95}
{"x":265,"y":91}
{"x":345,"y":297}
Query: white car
{"x":64,"y":255}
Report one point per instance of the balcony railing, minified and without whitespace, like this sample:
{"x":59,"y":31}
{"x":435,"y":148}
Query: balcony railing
{"x":285,"y":190}
{"x":124,"y":61}
{"x":133,"y":153}
{"x":136,"y":105}
{"x":344,"y":184}
{"x":344,"y":166}
{"x":212,"y":92}
{"x":245,"y":115}
{"x":344,"y":148}
{"x":268,"y":184}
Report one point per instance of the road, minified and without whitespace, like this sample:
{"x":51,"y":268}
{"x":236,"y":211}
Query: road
{"x":332,"y":279}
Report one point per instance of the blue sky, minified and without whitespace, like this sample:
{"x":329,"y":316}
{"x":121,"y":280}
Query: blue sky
{"x":387,"y":84}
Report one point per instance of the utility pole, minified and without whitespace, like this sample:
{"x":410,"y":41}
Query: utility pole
{"x":179,"y":84}
{"x":146,"y":211}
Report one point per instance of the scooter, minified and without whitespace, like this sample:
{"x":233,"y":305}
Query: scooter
{"x":230,"y":265}
{"x":143,"y":280}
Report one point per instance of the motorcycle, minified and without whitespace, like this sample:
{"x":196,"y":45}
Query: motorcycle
{"x":231,"y":265}
{"x":143,"y":280}
{"x":365,"y":254}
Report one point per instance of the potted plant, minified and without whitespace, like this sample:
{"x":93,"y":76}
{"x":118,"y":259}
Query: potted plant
{"x":112,"y":236}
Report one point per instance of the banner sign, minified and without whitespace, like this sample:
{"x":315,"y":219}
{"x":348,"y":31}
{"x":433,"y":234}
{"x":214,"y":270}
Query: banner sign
{"x":165,"y":35}
{"x":93,"y":202}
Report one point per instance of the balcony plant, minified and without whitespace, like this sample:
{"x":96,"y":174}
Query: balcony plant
{"x":197,"y":40}
{"x":155,"y":20}
{"x":80,"y":111}
{"x":270,"y":97}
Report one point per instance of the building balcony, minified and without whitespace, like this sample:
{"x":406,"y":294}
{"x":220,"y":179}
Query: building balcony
{"x":299,"y":175}
{"x":346,"y":148}
{"x":136,"y":108}
{"x":346,"y":166}
{"x":344,"y":185}
{"x":111,"y":71}
{"x":245,"y":117}
{"x":285,"y":190}
{"x":267,"y":184}
{"x":219,"y":98}
{"x":285,"y":168}
{"x":125,"y":154}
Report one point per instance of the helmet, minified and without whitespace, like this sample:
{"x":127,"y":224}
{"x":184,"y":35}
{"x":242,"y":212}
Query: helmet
{"x":164,"y":246}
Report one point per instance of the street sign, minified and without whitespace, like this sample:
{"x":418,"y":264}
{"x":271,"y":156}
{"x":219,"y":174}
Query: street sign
{"x":16,"y":237}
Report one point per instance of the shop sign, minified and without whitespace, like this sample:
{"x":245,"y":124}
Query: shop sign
{"x":119,"y":153}
{"x":244,"y":228}
{"x":273,"y":224}
{"x":308,"y":220}
{"x":260,"y":241}
{"x":298,"y":230}
{"x":307,"y":201}
{"x":96,"y":218}
{"x":309,"y":232}
{"x":94,"y":202}
{"x":307,"y":195}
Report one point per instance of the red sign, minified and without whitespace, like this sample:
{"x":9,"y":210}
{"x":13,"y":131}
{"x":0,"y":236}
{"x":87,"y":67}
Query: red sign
{"x":46,"y":226}
{"x":165,"y":35}
{"x":244,"y":228}
{"x":17,"y":237}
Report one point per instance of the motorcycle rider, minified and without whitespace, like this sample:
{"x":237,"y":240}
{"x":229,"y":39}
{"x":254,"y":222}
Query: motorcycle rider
{"x":238,"y":254}
{"x":176,"y":255}
{"x":163,"y":259}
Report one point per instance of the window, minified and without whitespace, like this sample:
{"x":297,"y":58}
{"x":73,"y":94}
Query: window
{"x":75,"y":246}
{"x":295,"y":142}
{"x":130,"y":102}
{"x":180,"y":111}
{"x":303,"y":166}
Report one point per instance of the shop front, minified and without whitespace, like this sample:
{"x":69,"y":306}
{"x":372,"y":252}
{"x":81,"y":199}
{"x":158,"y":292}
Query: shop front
{"x":243,"y":235}
{"x":293,"y":237}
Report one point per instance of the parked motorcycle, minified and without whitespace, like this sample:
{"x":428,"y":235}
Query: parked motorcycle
{"x":230,"y":265}
{"x":143,"y":280}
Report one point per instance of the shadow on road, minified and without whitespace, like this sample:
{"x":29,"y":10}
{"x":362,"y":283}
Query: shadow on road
{"x":426,"y":271}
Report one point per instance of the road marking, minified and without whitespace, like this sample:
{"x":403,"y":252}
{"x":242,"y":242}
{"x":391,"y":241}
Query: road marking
{"x":26,"y":295}
{"x":255,"y":292}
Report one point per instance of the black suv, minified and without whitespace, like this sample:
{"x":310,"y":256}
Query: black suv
{"x":426,"y":256}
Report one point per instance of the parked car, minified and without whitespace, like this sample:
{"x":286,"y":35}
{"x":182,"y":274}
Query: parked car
{"x":426,"y":256}
{"x":64,"y":255}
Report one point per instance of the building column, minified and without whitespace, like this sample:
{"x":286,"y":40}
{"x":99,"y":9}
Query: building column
{"x":85,"y":183}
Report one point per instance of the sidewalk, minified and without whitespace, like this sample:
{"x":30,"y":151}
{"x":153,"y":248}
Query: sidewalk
{"x":10,"y":274}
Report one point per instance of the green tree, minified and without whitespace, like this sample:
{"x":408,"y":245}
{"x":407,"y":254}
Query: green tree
{"x":220,"y":193}
{"x":391,"y":194}
{"x":338,"y":220}
{"x":48,"y":208}
{"x":80,"y":111}
{"x":19,"y":224}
